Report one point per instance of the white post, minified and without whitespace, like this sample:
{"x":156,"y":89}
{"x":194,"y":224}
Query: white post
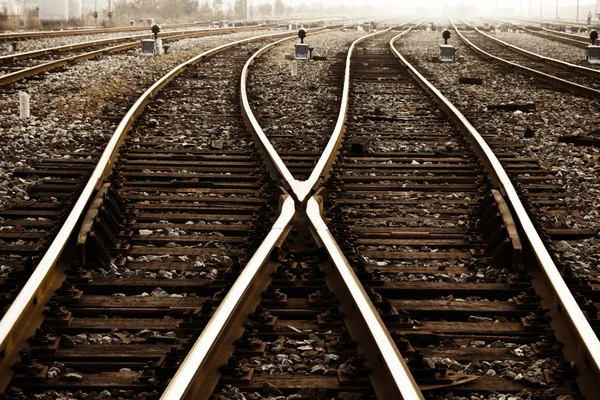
{"x":24,"y":105}
{"x":294,"y":67}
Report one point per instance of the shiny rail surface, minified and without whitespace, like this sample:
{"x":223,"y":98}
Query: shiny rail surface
{"x":561,"y":64}
{"x":81,"y":45}
{"x":581,"y":342}
{"x":19,"y":322}
{"x":51,"y":65}
{"x":195,"y":377}
{"x":88,"y":31}
{"x":562,"y":83}
{"x":391,"y":379}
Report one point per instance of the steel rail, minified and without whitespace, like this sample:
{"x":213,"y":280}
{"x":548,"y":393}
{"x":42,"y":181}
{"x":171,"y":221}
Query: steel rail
{"x":568,"y":85}
{"x":197,"y":376}
{"x":384,"y":358}
{"x":80,"y":32}
{"x":25,"y":313}
{"x":321,"y":171}
{"x":558,"y":23}
{"x":75,"y":46}
{"x":553,"y":36}
{"x":558,"y":63}
{"x":51,"y":65}
{"x":301,"y":189}
{"x":581,"y":343}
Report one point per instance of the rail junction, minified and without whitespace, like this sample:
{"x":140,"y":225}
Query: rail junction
{"x":216,"y":248}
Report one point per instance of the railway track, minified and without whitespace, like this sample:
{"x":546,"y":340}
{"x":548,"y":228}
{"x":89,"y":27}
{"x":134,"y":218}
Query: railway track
{"x":560,"y":74}
{"x":362,"y":268}
{"x":492,"y":265}
{"x":181,"y":212}
{"x":16,"y":67}
{"x":84,"y":32}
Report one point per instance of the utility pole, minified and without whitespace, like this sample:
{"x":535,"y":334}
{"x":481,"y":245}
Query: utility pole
{"x":577,"y":10}
{"x":24,"y":13}
{"x":541,"y":9}
{"x":556,"y":9}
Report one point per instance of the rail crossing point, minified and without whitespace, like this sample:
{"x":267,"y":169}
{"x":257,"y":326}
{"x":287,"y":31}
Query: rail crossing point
{"x":24,"y":105}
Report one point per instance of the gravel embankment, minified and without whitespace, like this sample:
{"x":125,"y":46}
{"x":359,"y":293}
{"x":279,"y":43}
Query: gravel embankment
{"x":547,"y":48}
{"x":557,"y":114}
{"x":67,"y":105}
{"x":45,"y":43}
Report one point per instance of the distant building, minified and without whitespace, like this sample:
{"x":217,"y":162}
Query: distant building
{"x":11,"y":7}
{"x":54,"y":10}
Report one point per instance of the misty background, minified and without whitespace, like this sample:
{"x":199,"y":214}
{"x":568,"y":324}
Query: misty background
{"x":111,"y":12}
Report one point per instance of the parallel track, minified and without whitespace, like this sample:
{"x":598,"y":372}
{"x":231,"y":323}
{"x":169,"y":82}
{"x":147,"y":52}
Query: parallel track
{"x":407,"y":176}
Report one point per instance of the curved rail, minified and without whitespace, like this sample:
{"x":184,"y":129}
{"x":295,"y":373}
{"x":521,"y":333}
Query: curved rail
{"x":561,"y":64}
{"x":391,"y":378}
{"x":391,"y":366}
{"x":81,"y":45}
{"x":550,"y":34}
{"x":38,"y":69}
{"x":19,"y":322}
{"x":191,"y":381}
{"x":567,"y":318}
{"x":87,"y":31}
{"x":570,"y":86}
{"x":302,"y":189}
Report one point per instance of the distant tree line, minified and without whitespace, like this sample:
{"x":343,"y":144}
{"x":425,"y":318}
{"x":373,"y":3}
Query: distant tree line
{"x":196,"y":10}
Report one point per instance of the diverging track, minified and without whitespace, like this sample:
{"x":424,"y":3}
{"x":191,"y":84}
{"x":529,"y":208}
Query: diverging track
{"x":404,"y":264}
